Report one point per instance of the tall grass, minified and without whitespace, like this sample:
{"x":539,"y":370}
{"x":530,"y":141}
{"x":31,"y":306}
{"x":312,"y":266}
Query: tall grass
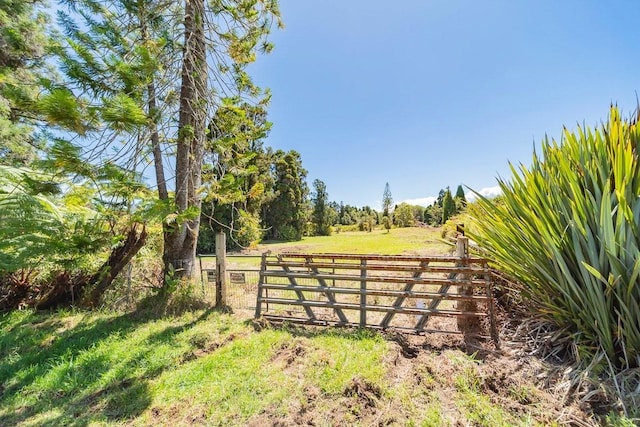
{"x":568,"y":227}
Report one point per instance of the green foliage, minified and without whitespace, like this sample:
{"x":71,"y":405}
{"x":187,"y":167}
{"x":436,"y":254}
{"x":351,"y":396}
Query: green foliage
{"x":249,"y":232}
{"x":567,"y":228}
{"x":23,"y":45}
{"x":444,"y":207}
{"x":289,"y":233}
{"x":61,"y":106}
{"x":320,"y":216}
{"x":460,"y":200}
{"x":285,"y":216}
{"x":433,"y":214}
{"x":237,"y":175}
{"x":123,"y":113}
{"x":448,"y":206}
{"x":386,"y":222}
{"x":403,"y":215}
{"x":365,"y":218}
{"x":38,"y":229}
{"x":387,"y":200}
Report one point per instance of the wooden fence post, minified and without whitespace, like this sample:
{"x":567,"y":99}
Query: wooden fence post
{"x":221,"y":269}
{"x":363,"y":293}
{"x":466,"y":323}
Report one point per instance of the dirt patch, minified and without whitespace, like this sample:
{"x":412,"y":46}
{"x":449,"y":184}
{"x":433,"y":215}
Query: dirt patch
{"x":408,"y":350}
{"x":289,"y":352}
{"x":365,"y":392}
{"x":208,"y":348}
{"x":361,"y":403}
{"x":440,"y":366}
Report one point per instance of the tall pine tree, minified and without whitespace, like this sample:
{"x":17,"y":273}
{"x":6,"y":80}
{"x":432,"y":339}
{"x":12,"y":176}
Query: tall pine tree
{"x":285,"y":216}
{"x":448,"y":206}
{"x":387,"y":200}
{"x":165,"y":60}
{"x":23,"y":44}
{"x":320,"y":216}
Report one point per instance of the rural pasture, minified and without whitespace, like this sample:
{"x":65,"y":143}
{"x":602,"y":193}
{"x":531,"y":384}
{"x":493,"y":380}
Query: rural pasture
{"x":219,"y":367}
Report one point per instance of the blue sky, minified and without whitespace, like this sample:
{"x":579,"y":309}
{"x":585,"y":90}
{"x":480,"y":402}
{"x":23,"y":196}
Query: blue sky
{"x":427,"y":94}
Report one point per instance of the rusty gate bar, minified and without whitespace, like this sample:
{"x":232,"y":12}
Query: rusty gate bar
{"x":338,"y":285}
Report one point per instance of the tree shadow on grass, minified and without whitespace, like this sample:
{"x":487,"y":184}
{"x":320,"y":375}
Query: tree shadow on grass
{"x":55,"y":367}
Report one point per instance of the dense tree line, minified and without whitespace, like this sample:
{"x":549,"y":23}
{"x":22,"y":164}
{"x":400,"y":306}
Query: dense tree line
{"x":445,"y":206}
{"x":127,"y":115}
{"x":132,"y":117}
{"x":271,"y":205}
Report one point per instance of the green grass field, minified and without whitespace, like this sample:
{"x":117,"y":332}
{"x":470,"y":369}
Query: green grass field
{"x":211,"y":368}
{"x":221,"y":369}
{"x":410,"y":240}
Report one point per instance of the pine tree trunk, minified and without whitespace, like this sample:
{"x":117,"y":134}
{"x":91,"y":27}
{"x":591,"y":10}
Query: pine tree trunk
{"x":180,"y":239}
{"x":152,"y":111}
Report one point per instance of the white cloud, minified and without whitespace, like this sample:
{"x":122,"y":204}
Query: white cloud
{"x":489,"y":192}
{"x":423,"y":201}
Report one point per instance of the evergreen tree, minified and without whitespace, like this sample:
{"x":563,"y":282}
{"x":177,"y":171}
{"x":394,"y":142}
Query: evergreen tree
{"x":387,"y":223}
{"x":440,"y":199}
{"x":387,"y":200}
{"x":237,"y":176}
{"x":460,"y":199}
{"x":127,"y":57}
{"x":427,"y":215}
{"x":433,"y":214}
{"x":22,"y":49}
{"x":418,"y":213}
{"x":320,"y":216}
{"x":284,"y":217}
{"x":448,"y":206}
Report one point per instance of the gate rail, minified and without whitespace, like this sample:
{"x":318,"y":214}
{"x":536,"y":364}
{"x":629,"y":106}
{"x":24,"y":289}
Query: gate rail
{"x":401,"y":292}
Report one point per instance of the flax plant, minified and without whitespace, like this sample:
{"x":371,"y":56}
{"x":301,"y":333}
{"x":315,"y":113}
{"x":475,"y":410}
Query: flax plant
{"x":568,"y":227}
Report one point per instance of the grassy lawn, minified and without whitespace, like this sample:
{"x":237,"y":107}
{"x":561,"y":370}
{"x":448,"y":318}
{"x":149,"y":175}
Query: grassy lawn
{"x":410,"y":240}
{"x":60,"y":369}
{"x":212,"y":368}
{"x":216,"y":368}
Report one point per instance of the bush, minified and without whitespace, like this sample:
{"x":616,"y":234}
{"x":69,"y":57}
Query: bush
{"x":567,"y":227}
{"x":288,"y":233}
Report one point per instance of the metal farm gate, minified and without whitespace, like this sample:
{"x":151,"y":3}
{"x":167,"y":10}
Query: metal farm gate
{"x":377,"y":291}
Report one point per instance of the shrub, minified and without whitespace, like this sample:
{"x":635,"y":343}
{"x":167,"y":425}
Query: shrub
{"x":567,"y":227}
{"x":386,"y":222}
{"x":288,"y":233}
{"x":403,"y":216}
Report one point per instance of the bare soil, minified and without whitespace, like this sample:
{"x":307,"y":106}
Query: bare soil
{"x":428,"y":370}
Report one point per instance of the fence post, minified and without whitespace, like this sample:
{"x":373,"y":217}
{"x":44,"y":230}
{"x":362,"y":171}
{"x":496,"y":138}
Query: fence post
{"x":261,"y":280}
{"x":221,"y":269}
{"x":466,"y":323}
{"x":363,"y":293}
{"x":204,"y":295}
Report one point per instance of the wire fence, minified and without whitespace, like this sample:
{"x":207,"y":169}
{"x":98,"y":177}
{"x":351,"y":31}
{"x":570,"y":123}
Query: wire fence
{"x":242,"y":277}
